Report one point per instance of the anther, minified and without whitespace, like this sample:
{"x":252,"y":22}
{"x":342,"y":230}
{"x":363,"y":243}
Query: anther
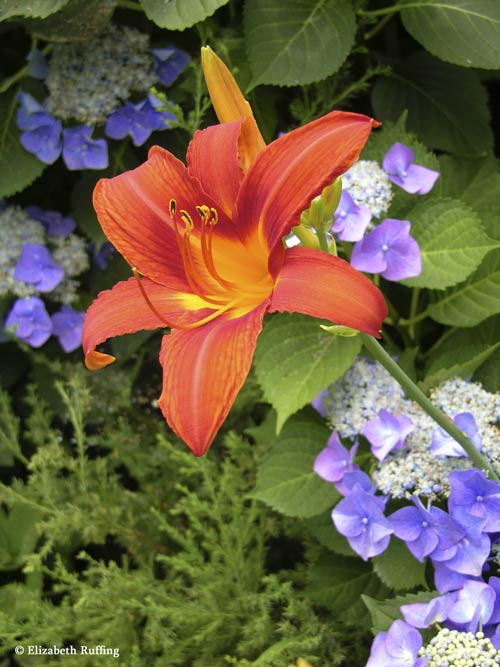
{"x":187,"y":220}
{"x":172,"y":205}
{"x":215,"y":217}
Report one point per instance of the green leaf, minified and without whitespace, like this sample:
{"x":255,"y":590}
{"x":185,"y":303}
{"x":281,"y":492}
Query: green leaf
{"x":180,"y":14}
{"x":445,"y":116}
{"x":338,"y":583}
{"x":18,"y":168}
{"x":295,"y":360}
{"x":452,"y":242}
{"x":398,"y":568}
{"x":384,"y":612}
{"x":473,"y":301}
{"x":463,"y":32}
{"x":285,"y":479}
{"x":324,"y":531}
{"x":77,"y":21}
{"x":83,"y":211}
{"x":34,"y":8}
{"x":463,"y":352}
{"x":488,"y":374}
{"x":299,"y":41}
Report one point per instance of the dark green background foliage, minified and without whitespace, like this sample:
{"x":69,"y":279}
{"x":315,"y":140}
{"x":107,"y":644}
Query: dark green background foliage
{"x":110,"y":531}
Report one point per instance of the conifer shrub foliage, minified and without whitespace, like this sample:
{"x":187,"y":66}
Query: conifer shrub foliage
{"x":332,"y":522}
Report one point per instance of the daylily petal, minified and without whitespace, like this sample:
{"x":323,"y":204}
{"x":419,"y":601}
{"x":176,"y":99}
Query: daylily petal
{"x":133,"y":209}
{"x":294,"y":169}
{"x":229,"y":105}
{"x":203,"y":370}
{"x":212,"y":158}
{"x":315,"y":283}
{"x":124,"y":309}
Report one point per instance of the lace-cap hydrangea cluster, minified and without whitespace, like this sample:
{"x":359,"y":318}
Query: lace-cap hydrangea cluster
{"x":417,"y":455}
{"x":41,"y":257}
{"x":385,"y":247}
{"x":91,"y":84}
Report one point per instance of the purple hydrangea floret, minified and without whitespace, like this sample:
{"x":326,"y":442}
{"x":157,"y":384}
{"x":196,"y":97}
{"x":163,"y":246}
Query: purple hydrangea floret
{"x":351,"y":220}
{"x":42,"y":132}
{"x":169,"y":63}
{"x":398,"y":647}
{"x":444,"y":445}
{"x":36,"y":267}
{"x":474,"y":604}
{"x":317,"y":402}
{"x":30,"y":321}
{"x":471,"y":551}
{"x":38,"y":67}
{"x":389,"y":250}
{"x":425,"y":614}
{"x":105,"y":252}
{"x":413,"y":178}
{"x":387,"y":432}
{"x":53,"y":221}
{"x":479,"y":496}
{"x":137,"y":120}
{"x":67,"y":325}
{"x":360,"y":517}
{"x":334,"y":461}
{"x":82,"y":152}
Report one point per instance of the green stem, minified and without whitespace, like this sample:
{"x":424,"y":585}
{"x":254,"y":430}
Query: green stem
{"x":128,"y":4}
{"x":412,"y":320}
{"x":20,"y":74}
{"x":414,"y":393}
{"x":439,"y":342}
{"x":413,"y":311}
{"x":323,"y":241}
{"x":306,"y":236}
{"x":381,"y":12}
{"x":371,"y":33}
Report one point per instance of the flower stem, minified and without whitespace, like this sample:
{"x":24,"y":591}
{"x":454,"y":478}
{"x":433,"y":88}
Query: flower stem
{"x":414,"y":393}
{"x":306,"y":236}
{"x":381,"y":12}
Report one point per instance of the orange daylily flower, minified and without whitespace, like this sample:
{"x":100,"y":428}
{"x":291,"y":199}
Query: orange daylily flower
{"x":205,"y":244}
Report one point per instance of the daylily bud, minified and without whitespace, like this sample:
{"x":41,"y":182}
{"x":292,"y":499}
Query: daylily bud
{"x":322,"y":207}
{"x":229,"y":105}
{"x":339,"y":330}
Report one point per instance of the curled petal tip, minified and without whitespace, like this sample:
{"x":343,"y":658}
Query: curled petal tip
{"x":94,"y":360}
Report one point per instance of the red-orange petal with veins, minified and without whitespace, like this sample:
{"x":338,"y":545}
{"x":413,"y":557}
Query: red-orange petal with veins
{"x":321,"y":285}
{"x":212,"y":158}
{"x":203,"y":370}
{"x":294,"y":169}
{"x":124,"y":310}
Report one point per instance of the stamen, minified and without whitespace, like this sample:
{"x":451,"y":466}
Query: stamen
{"x":187,"y":220}
{"x":215,"y":217}
{"x":172,"y":205}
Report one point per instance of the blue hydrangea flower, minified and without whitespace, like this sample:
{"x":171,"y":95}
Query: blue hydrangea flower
{"x":102,"y":257}
{"x":387,"y":432}
{"x":335,"y":460}
{"x":67,"y":325}
{"x":389,"y":250}
{"x":53,"y":221}
{"x":136,"y":120}
{"x":470,"y":553}
{"x":477,"y":495}
{"x":317,"y":402}
{"x":351,"y":220}
{"x":398,"y":647}
{"x":425,"y":614}
{"x":360,"y":517}
{"x":82,"y":152}
{"x":424,"y":529}
{"x":38,"y":67}
{"x":473,"y":605}
{"x":42,"y":132}
{"x":398,"y":165}
{"x":446,"y":580}
{"x":30,"y":321}
{"x":169,"y":63}
{"x":444,"y":445}
{"x":36,"y":267}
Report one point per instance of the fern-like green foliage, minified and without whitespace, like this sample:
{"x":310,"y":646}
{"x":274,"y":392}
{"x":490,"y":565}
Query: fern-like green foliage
{"x":131,"y":542}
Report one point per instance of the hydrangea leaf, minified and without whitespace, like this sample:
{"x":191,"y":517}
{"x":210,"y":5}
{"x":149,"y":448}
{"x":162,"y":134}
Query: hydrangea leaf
{"x":299,"y":41}
{"x":384,"y":612}
{"x":18,"y":168}
{"x":285,"y":478}
{"x":463,"y":32}
{"x":473,"y":301}
{"x":324,"y":531}
{"x":77,"y":21}
{"x":295,"y":360}
{"x":398,"y":569}
{"x":488,"y":374}
{"x":445,"y":116}
{"x":337,"y":583}
{"x":452,"y":242}
{"x":180,"y":14}
{"x":35,"y":8}
{"x":463,"y":352}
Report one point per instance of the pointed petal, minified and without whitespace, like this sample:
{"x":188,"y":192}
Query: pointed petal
{"x":318,"y":284}
{"x":213,"y":159}
{"x":124,"y":309}
{"x":229,"y":105}
{"x":294,"y":169}
{"x":133,"y":209}
{"x":203,"y":370}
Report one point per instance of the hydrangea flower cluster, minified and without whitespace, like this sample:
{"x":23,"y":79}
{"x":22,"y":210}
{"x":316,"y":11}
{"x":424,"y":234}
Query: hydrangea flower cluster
{"x":40,"y":256}
{"x":414,"y":455}
{"x":388,"y":248}
{"x":91,"y":84}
